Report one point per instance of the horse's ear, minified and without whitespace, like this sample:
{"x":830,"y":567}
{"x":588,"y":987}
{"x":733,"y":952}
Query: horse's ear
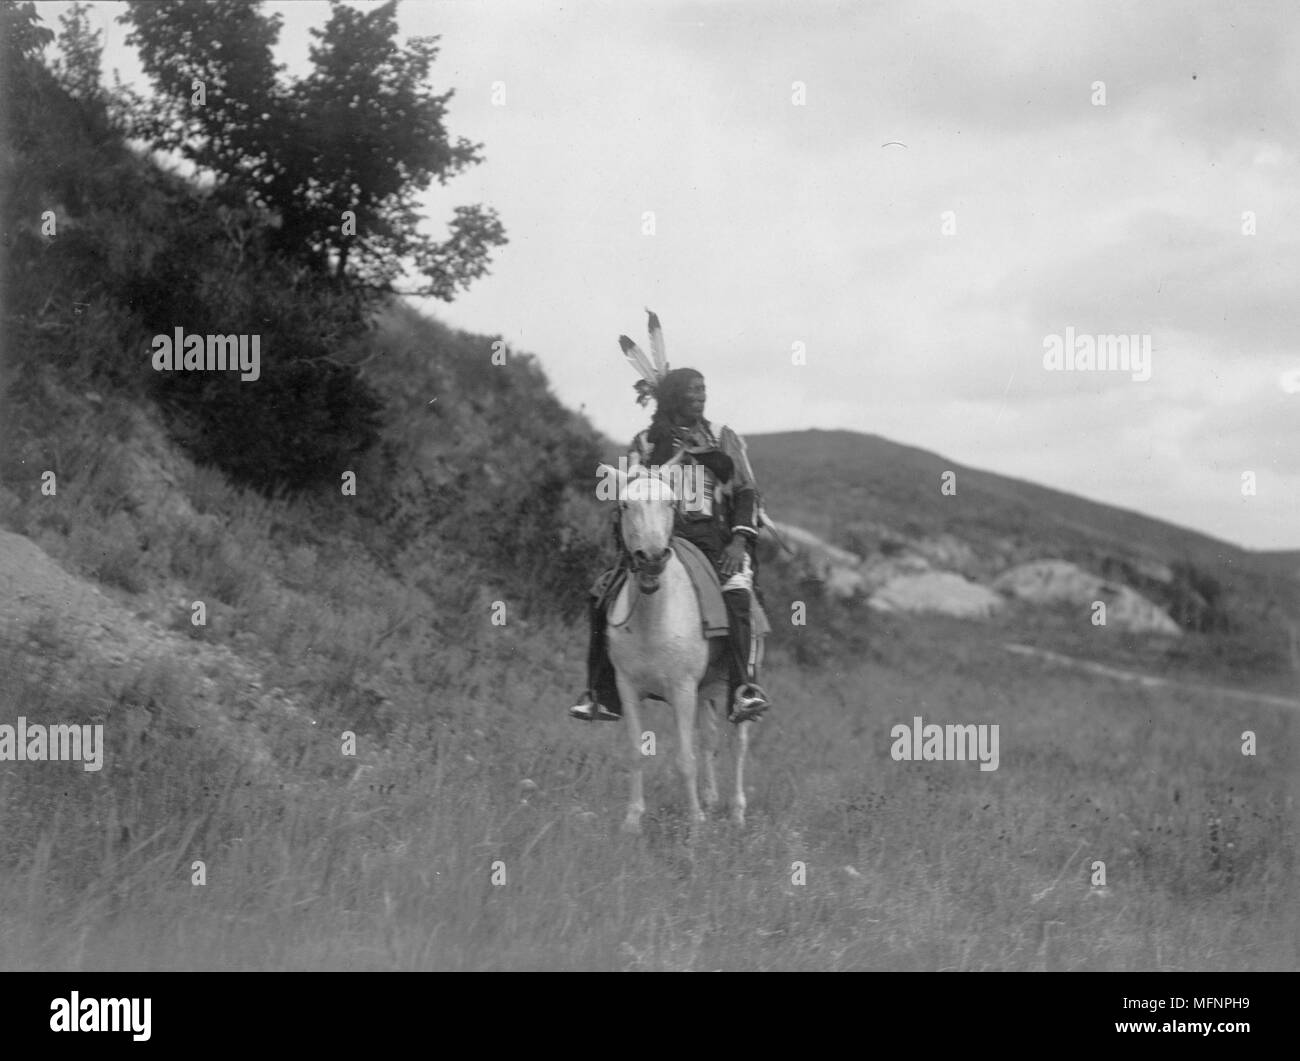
{"x":613,"y":483}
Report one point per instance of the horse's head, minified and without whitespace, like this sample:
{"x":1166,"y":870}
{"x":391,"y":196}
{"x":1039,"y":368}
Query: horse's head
{"x":646,"y":502}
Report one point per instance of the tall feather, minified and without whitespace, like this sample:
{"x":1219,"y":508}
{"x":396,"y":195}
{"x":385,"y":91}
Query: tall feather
{"x":657,"y":350}
{"x":638,"y":360}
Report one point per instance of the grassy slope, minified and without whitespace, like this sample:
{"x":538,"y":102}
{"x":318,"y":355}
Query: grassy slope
{"x":840,"y":477}
{"x":389,"y":865}
{"x":1284,"y":562}
{"x":847,"y":485}
{"x":909,"y":866}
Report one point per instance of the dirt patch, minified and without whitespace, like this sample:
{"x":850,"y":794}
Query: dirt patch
{"x":1150,"y":681}
{"x":937,"y":591}
{"x":46,"y":611}
{"x":1057,"y":581}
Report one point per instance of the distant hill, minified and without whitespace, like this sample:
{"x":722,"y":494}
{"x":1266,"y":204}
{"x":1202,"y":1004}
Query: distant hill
{"x":867,"y":494}
{"x":856,"y":489}
{"x":1285,"y":562}
{"x":834,"y":479}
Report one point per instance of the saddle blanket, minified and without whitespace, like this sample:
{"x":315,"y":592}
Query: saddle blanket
{"x":708,"y":591}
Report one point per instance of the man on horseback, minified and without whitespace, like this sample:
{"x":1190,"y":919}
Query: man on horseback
{"x":717,"y":511}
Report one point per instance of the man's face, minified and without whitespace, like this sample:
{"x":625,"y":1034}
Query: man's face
{"x":693,"y":407}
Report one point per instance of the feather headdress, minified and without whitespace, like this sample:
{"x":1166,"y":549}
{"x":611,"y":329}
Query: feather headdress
{"x":651,"y":369}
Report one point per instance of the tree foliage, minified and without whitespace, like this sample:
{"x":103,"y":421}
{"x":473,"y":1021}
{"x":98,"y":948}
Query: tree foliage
{"x":24,"y":37}
{"x":340,"y":156}
{"x":81,"y":50}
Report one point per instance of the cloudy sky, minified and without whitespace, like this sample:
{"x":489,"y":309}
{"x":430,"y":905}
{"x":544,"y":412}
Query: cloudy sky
{"x":920,"y":194}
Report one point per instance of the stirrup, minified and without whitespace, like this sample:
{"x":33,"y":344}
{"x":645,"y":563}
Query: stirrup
{"x":749,"y":703}
{"x":588,"y":710}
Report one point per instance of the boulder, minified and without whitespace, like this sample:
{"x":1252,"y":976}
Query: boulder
{"x":1061,"y":582}
{"x":936,"y":591}
{"x":837,"y":568}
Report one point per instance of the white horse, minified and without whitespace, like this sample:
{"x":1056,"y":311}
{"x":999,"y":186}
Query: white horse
{"x":658,"y":648}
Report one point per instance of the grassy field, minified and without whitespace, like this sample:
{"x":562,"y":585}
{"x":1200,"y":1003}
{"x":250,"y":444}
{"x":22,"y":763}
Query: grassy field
{"x":466,"y":769}
{"x":386,"y":860}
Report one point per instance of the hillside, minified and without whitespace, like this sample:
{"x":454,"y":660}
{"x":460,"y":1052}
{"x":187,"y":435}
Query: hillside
{"x":872,"y":496}
{"x":843,"y":480}
{"x":1285,"y":562}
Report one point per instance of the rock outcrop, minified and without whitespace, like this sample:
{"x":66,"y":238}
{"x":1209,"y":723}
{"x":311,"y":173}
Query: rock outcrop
{"x":943,"y":574}
{"x":937,"y":591}
{"x":1061,"y":582}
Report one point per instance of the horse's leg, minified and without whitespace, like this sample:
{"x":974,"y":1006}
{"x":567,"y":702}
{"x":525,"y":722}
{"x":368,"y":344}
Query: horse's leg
{"x":685,"y":703}
{"x":632,"y":712}
{"x":710,"y":742}
{"x":738,"y":803}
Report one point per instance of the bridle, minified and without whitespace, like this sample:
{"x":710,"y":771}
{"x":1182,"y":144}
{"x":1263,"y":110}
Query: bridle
{"x":641,"y":565}
{"x":644,"y":571}
{"x":647,"y":571}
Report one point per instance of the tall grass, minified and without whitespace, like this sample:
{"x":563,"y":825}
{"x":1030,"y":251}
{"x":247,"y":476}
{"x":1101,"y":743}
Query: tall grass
{"x":385,"y":860}
{"x":464,"y":758}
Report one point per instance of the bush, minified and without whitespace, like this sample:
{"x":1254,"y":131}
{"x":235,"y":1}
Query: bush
{"x":137,"y":252}
{"x":111,"y":553}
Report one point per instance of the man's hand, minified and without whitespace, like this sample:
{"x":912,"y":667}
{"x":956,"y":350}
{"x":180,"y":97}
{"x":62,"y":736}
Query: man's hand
{"x":733,"y":556}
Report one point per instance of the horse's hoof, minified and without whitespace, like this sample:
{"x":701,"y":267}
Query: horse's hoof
{"x":738,"y":818}
{"x":631,"y":827}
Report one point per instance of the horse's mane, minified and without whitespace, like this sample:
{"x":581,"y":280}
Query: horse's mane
{"x":644,"y":485}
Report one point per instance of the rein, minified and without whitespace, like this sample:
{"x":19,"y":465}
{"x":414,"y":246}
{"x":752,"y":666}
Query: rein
{"x":639,"y":567}
{"x":635,"y":569}
{"x":631,"y":611}
{"x":654,"y":570}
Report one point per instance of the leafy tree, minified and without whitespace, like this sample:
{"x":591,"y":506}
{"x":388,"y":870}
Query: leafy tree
{"x":78,"y":68}
{"x":217,"y":100}
{"x":340,"y":155}
{"x":23,"y":35}
{"x":22,"y":39}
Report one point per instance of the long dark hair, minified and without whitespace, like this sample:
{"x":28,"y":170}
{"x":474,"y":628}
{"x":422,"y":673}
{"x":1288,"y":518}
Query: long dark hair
{"x":670,"y":398}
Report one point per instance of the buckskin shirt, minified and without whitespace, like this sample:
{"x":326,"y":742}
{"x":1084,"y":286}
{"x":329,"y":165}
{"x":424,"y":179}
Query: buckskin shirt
{"x":718,"y":496}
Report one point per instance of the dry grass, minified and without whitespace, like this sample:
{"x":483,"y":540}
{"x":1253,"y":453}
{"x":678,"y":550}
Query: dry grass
{"x":909,"y":866}
{"x":385,"y":860}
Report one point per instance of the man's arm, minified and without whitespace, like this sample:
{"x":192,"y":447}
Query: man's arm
{"x":744,"y":489}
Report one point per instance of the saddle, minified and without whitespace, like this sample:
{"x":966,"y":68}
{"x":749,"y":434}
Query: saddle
{"x":708,"y":591}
